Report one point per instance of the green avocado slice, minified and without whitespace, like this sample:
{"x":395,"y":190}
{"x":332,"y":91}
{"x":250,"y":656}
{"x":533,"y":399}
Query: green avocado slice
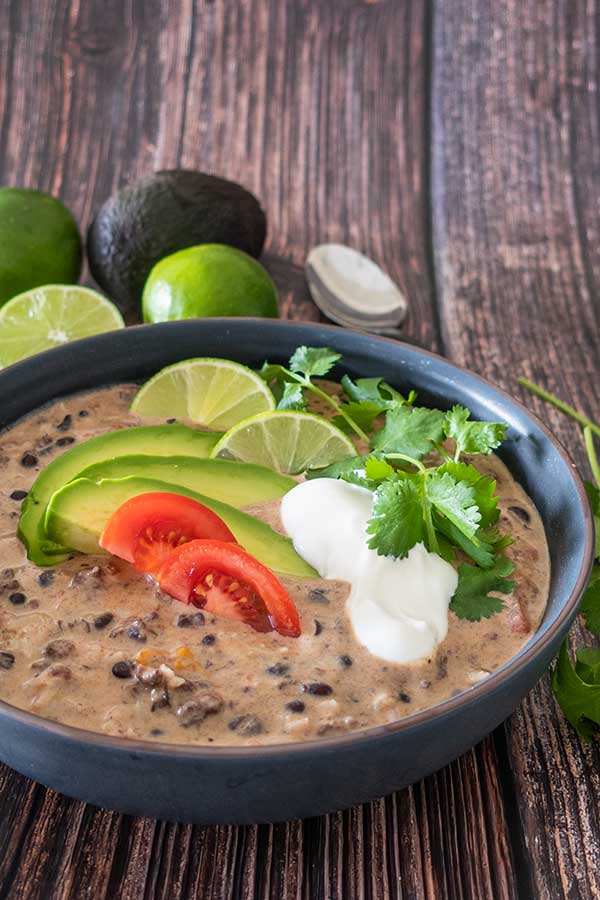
{"x":158,"y":440}
{"x":237,"y":483}
{"x":78,"y":512}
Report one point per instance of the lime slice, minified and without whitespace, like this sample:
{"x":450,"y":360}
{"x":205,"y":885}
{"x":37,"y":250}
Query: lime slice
{"x":286,"y":441}
{"x":52,"y":315}
{"x":215,"y":393}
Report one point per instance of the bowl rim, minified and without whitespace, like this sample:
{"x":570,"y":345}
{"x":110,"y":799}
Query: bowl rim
{"x":296,"y":749}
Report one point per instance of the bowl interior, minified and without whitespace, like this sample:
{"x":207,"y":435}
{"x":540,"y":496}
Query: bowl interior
{"x":535,"y":459}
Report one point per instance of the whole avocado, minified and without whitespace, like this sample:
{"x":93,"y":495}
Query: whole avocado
{"x":160,"y":214}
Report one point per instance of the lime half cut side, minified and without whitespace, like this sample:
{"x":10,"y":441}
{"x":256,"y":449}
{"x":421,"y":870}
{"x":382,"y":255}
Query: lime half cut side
{"x":215,"y":393}
{"x":286,"y":441}
{"x":52,"y":315}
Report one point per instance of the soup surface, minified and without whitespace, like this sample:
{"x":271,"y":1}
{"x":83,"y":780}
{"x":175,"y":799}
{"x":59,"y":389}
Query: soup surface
{"x":83,"y":643}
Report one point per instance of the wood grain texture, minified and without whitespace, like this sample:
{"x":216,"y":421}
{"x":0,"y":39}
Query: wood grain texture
{"x":516,"y":216}
{"x":323,"y":109}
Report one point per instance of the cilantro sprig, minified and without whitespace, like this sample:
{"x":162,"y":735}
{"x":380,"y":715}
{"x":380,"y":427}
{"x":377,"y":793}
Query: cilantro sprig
{"x":422,"y":493}
{"x":368,"y":398}
{"x":423,"y":490}
{"x":306,"y":363}
{"x":577,"y":688}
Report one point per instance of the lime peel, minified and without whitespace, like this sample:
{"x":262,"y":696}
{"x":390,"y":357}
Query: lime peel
{"x":208,"y":391}
{"x":286,"y":440}
{"x":50,"y":316}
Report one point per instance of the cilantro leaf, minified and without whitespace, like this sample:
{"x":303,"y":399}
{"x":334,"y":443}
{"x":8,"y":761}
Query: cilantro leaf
{"x":396,"y":523}
{"x":313,"y":360}
{"x":351,"y":469}
{"x":578,"y":698}
{"x":374,"y":390}
{"x":472,"y":437}
{"x":270,"y":372}
{"x":412,"y":431}
{"x":590,"y":605}
{"x":472,"y":598}
{"x":484,"y":489}
{"x":455,"y":499}
{"x":587,"y":664}
{"x":292,"y":397}
{"x":362,"y":413}
{"x":481,"y":551}
{"x":377,"y":469}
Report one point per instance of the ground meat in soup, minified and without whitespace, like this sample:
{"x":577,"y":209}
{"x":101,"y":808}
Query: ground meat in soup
{"x":92,"y":643}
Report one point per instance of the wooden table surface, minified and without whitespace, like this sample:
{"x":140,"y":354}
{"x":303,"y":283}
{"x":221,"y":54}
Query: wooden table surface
{"x":458,"y":144}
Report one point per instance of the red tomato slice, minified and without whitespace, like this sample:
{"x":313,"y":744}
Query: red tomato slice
{"x":146,"y":529}
{"x":222,"y":578}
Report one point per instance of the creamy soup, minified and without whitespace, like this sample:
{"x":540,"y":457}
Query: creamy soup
{"x":93,"y":643}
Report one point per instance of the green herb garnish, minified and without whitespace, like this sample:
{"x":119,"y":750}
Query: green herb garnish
{"x":577,"y":688}
{"x":422,"y":490}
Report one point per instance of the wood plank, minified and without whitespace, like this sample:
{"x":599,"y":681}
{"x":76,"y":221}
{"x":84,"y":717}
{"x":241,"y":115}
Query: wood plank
{"x":516,"y":222}
{"x":319,"y":108}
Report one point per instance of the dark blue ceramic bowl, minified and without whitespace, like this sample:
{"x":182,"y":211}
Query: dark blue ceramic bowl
{"x":260,"y":784}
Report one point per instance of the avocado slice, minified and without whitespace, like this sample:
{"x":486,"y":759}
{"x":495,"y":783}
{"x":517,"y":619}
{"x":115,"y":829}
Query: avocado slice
{"x":78,"y":512}
{"x":158,"y":440}
{"x":236,"y":483}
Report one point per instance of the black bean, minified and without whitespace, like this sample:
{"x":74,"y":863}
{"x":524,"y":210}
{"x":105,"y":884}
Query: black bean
{"x":196,"y":710}
{"x":7,"y":659}
{"x":404,"y":698}
{"x":520,"y":513}
{"x":29,"y":460}
{"x":296,"y":706}
{"x":345,"y":661}
{"x":318,"y":627}
{"x":209,"y":639}
{"x":65,"y":441}
{"x":58,"y":671}
{"x":46,"y":578}
{"x":83,"y":413}
{"x":103,"y":620}
{"x":122,"y":669}
{"x":59,"y":649}
{"x":18,"y":495}
{"x":318,"y":595}
{"x":137,"y":631}
{"x":319,"y":688}
{"x":12,"y":585}
{"x":190,"y":621}
{"x":148,"y":675}
{"x":65,"y":424}
{"x":247,"y":725}
{"x":278,"y":669}
{"x":17,"y":598}
{"x":159,"y":698}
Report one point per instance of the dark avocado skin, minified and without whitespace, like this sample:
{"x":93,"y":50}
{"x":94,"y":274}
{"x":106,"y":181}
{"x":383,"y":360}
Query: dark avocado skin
{"x":160,"y":214}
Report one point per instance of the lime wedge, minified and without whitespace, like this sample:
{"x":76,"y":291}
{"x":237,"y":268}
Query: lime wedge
{"x":286,"y":441}
{"x":52,"y":315}
{"x":215,"y":393}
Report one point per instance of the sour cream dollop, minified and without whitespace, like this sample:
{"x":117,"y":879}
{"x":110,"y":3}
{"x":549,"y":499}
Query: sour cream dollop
{"x":398,"y":607}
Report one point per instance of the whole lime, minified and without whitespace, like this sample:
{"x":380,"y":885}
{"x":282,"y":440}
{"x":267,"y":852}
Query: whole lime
{"x":39,"y":242}
{"x":208,"y":280}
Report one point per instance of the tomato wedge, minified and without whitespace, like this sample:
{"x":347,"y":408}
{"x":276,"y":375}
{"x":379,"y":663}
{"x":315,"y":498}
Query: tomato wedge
{"x":222,"y":578}
{"x":146,"y":529}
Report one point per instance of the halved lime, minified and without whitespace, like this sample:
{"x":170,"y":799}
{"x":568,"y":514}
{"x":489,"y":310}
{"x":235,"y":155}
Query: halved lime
{"x":215,"y":393}
{"x":52,"y":315}
{"x":286,"y":441}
